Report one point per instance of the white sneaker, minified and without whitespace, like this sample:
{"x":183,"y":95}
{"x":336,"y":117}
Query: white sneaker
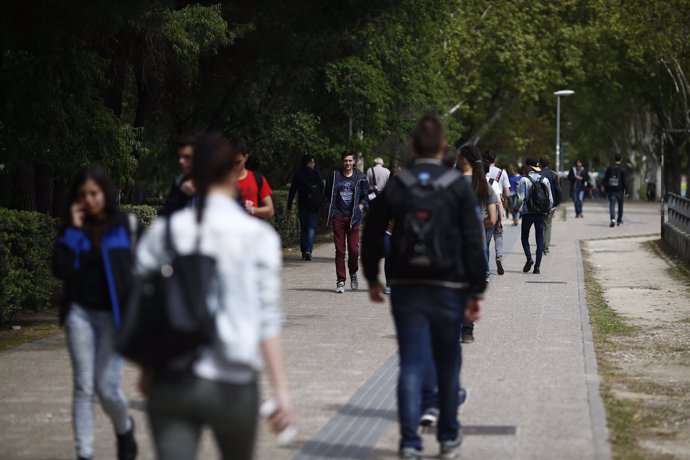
{"x":354,"y":283}
{"x":429,"y":417}
{"x":340,"y":287}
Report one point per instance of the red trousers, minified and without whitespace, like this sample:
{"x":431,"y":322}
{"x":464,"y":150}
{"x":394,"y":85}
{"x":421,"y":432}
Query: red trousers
{"x":344,"y":235}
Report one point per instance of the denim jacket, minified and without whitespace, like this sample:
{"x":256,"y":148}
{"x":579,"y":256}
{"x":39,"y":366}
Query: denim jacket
{"x":246,"y":301}
{"x":361,"y":187}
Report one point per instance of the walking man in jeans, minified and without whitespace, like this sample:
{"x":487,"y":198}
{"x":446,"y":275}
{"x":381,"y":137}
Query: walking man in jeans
{"x":554,"y":181}
{"x":499,"y":181}
{"x":307,"y":183}
{"x":346,"y":195}
{"x":533,"y":213}
{"x":614,"y":183}
{"x":436,"y":282}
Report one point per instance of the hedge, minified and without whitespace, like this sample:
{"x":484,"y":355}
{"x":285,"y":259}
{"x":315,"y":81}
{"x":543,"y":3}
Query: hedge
{"x":145,"y":213}
{"x":26,"y":279}
{"x":286,"y":223}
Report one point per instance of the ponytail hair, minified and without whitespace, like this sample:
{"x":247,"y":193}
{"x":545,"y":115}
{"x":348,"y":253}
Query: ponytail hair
{"x":474,"y":157}
{"x":214,"y":159}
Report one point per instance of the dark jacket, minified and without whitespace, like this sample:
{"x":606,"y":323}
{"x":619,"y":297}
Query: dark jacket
{"x":177,"y":199}
{"x":555,"y":184}
{"x":300,"y":186}
{"x":361,"y":187}
{"x":116,"y":247}
{"x":579,"y":184}
{"x":470,"y":270}
{"x":622,"y":187}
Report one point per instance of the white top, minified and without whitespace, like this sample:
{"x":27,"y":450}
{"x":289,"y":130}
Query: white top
{"x":503,"y":181}
{"x":247,"y":301}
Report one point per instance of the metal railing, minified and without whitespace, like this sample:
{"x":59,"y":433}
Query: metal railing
{"x":679,"y":212}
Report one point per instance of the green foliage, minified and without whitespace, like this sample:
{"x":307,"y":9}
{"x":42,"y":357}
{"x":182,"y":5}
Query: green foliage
{"x":26,"y":280}
{"x":284,"y":221}
{"x":145,"y":213}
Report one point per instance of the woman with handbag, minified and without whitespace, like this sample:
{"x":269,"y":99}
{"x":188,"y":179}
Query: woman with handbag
{"x":219,"y":389}
{"x":93,"y":255}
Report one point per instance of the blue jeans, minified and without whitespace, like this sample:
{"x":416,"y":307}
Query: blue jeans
{"x":428,"y":321}
{"x":97,"y":369}
{"x":307,"y":230}
{"x":578,"y":197}
{"x":613,"y":198}
{"x":539,"y":221}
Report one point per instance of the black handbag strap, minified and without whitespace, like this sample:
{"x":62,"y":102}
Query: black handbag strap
{"x":169,"y":246}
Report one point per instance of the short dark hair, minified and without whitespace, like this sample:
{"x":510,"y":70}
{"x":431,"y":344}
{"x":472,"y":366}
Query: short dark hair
{"x":100,"y":176}
{"x":238,"y":145}
{"x":185,"y":139}
{"x":617,"y":157}
{"x":450,"y":157}
{"x":428,"y":135}
{"x":545,"y":161}
{"x":306,"y":159}
{"x":347,"y":153}
{"x":490,"y":155}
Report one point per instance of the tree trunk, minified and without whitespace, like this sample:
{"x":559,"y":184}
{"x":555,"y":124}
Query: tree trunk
{"x":25,"y":181}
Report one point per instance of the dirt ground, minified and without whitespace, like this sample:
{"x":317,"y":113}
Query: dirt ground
{"x":646,"y":369}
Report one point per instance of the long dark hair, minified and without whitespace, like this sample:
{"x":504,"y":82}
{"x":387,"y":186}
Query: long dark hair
{"x":214,"y":158}
{"x":99,"y":175}
{"x":474,"y":157}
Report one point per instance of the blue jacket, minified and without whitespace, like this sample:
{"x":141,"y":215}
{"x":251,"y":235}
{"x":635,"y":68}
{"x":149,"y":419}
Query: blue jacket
{"x":116,"y":247}
{"x":361,"y":187}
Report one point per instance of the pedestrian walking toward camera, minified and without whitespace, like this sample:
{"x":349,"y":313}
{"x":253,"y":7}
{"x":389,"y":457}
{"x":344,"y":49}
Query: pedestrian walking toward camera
{"x":219,"y":388}
{"x":182,"y":190}
{"x":500,"y":183}
{"x":534,"y":190}
{"x":378,"y":176}
{"x":346,"y":195}
{"x":578,"y":177}
{"x":615,"y":185}
{"x":555,"y":184}
{"x":254,"y":189}
{"x":307,"y":183}
{"x":514,"y":201}
{"x":93,"y":256}
{"x":436,"y":281}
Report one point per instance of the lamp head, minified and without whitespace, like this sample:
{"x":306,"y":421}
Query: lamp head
{"x":564,"y":92}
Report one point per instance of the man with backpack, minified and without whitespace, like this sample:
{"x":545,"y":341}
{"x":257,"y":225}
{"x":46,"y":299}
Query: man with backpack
{"x":499,"y":181}
{"x":614,"y":183}
{"x":346,"y":195}
{"x":307,"y":183}
{"x":555,"y":183}
{"x":534,"y":190}
{"x":436,"y":282}
{"x":255,"y":191}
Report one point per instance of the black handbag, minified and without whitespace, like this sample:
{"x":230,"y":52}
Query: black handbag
{"x":167,"y":318}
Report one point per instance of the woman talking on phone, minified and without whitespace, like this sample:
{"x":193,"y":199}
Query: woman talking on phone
{"x":93,"y":256}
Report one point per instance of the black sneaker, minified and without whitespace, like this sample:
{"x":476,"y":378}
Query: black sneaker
{"x":467,"y":335}
{"x":546,"y":251}
{"x":613,"y":223}
{"x":619,"y":223}
{"x":126,"y":444}
{"x":536,"y":271}
{"x":499,"y":267}
{"x":354,"y":283}
{"x":528,"y":265}
{"x":307,"y":256}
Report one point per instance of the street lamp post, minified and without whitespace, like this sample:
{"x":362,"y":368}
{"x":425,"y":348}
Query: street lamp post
{"x":558,"y":94}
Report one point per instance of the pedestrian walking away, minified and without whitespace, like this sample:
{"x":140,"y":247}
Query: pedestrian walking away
{"x":579,"y":180}
{"x":555,"y":183}
{"x":254,"y":189}
{"x":182,"y":190}
{"x":514,"y":202}
{"x":500,"y":183}
{"x":307,"y":183}
{"x":346,"y":195}
{"x":93,"y":256}
{"x":534,"y":190}
{"x":436,"y":283}
{"x":472,"y":166}
{"x":615,"y":186}
{"x":377,"y":176}
{"x":219,"y":388}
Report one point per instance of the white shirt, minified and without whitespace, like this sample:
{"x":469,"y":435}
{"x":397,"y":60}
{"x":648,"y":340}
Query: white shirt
{"x":503,"y":181}
{"x":247,"y":301}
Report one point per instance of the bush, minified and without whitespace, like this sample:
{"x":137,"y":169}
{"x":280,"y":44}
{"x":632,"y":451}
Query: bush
{"x":145,"y":213}
{"x":26,"y":278}
{"x":286,"y":223}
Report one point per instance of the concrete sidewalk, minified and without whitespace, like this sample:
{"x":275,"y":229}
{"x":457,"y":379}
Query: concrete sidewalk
{"x":532,"y":387}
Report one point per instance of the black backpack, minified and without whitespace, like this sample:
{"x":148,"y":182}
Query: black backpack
{"x":538,"y":200}
{"x":167,"y":318}
{"x":426,"y":237}
{"x":314,"y":193}
{"x":614,"y":182}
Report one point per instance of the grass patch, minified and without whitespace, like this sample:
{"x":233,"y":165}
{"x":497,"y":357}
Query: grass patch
{"x":34,"y":326}
{"x":624,"y":424}
{"x":680,"y":269}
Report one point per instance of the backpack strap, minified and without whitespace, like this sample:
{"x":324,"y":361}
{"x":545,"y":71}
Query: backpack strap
{"x":498,"y":176}
{"x":407,"y":178}
{"x":447,"y":179}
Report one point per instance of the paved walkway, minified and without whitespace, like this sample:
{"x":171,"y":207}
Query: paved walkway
{"x":531,"y":372}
